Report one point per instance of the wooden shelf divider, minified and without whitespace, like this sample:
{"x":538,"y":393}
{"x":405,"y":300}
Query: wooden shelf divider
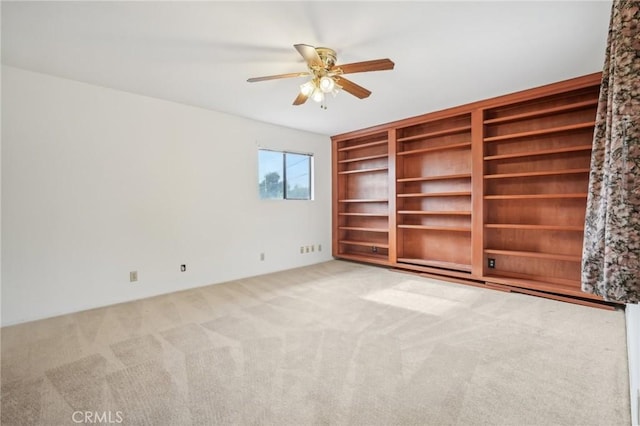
{"x":534,"y":196}
{"x":430,"y":178}
{"x":438,"y":133}
{"x":435,"y":213}
{"x":544,"y":112}
{"x":364,"y":243}
{"x":436,"y":228}
{"x":435,"y":149}
{"x":368,"y":157}
{"x":568,"y":128}
{"x":537,"y":174}
{"x":540,"y":255}
{"x":372,"y":170}
{"x":436,"y":194}
{"x":363,"y":145}
{"x":568,"y":228}
{"x":539,"y":152}
{"x":364,"y":229}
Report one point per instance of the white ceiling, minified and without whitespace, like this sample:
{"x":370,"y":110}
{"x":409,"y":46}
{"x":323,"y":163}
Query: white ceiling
{"x":201,"y":53}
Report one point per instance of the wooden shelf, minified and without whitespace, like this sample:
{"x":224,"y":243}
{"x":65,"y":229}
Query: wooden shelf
{"x":436,"y":228}
{"x":365,"y":200}
{"x":365,"y":229}
{"x":363,"y":145}
{"x":534,"y":196}
{"x":435,"y":213}
{"x":576,"y":148}
{"x":451,"y":131}
{"x":436,"y":194}
{"x":535,"y":254}
{"x":504,"y":275}
{"x":365,"y":214}
{"x":561,"y":129}
{"x":364,"y":243}
{"x":535,"y":227}
{"x":436,"y":148}
{"x":430,"y":178}
{"x":436,"y":264}
{"x":368,"y":157}
{"x":544,"y":112}
{"x":382,"y":259}
{"x":376,"y":169}
{"x":535,"y":174}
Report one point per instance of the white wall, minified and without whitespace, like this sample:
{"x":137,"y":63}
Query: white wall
{"x":98,"y":182}
{"x":633,"y":345}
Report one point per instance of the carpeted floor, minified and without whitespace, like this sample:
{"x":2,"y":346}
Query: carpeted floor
{"x":334,"y":343}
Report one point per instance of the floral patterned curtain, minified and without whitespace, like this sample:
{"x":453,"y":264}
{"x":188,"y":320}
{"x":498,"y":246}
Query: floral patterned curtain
{"x":611,"y":250}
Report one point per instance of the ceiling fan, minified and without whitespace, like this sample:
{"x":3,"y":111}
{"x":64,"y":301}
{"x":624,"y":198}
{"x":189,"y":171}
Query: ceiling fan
{"x":326,"y":76}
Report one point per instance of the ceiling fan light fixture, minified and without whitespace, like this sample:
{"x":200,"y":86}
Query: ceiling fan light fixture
{"x":327,"y":84}
{"x":318,"y":95}
{"x":307,"y":88}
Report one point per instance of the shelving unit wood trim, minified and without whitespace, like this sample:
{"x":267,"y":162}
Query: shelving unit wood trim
{"x":363,"y":243}
{"x":363,"y":145}
{"x":576,"y":148}
{"x":534,"y":196}
{"x":430,"y":178}
{"x":364,"y":229}
{"x":434,"y":213}
{"x":376,"y":169}
{"x":436,"y":264}
{"x":535,"y":254}
{"x":436,"y":148}
{"x":436,"y":228}
{"x":544,"y":112}
{"x":504,"y":275}
{"x":436,"y":194}
{"x":536,"y":174}
{"x":535,"y":227}
{"x":559,"y":129}
{"x":551,"y":285}
{"x":451,"y":131}
{"x":365,"y":200}
{"x":364,"y":214}
{"x":368,"y":157}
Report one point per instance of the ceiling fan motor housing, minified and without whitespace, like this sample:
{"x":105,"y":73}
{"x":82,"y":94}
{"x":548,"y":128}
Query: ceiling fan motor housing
{"x":328,"y":57}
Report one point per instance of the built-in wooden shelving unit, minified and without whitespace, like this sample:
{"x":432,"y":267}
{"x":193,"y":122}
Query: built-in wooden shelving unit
{"x":433,"y":193}
{"x":537,"y":154}
{"x":500,"y":182}
{"x":361,"y":211}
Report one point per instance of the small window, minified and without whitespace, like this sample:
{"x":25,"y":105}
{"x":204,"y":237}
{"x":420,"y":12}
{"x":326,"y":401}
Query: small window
{"x":284,"y":175}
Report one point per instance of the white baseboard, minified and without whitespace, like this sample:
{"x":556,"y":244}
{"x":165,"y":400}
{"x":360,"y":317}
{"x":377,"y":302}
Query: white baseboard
{"x":633,"y":346}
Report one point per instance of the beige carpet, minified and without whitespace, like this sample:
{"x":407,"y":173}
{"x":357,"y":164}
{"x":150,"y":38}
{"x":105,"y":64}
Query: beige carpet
{"x":334,"y":343}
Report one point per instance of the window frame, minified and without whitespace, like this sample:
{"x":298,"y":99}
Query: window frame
{"x":284,"y":153}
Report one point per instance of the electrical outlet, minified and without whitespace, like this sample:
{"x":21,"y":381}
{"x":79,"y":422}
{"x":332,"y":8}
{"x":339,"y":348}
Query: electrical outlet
{"x":183,"y":268}
{"x":306,"y":249}
{"x":301,"y":249}
{"x":491,"y":263}
{"x":261,"y":256}
{"x":313,"y":248}
{"x":319,"y":247}
{"x":133,"y":276}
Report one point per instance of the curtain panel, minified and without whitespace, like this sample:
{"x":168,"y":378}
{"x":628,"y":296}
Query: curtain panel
{"x":611,"y":250}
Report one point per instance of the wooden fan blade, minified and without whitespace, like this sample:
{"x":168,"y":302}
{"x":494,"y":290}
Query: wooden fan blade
{"x":374,"y":65}
{"x":351,"y":87}
{"x":274,"y":77}
{"x":309,"y":54}
{"x":300,"y":99}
